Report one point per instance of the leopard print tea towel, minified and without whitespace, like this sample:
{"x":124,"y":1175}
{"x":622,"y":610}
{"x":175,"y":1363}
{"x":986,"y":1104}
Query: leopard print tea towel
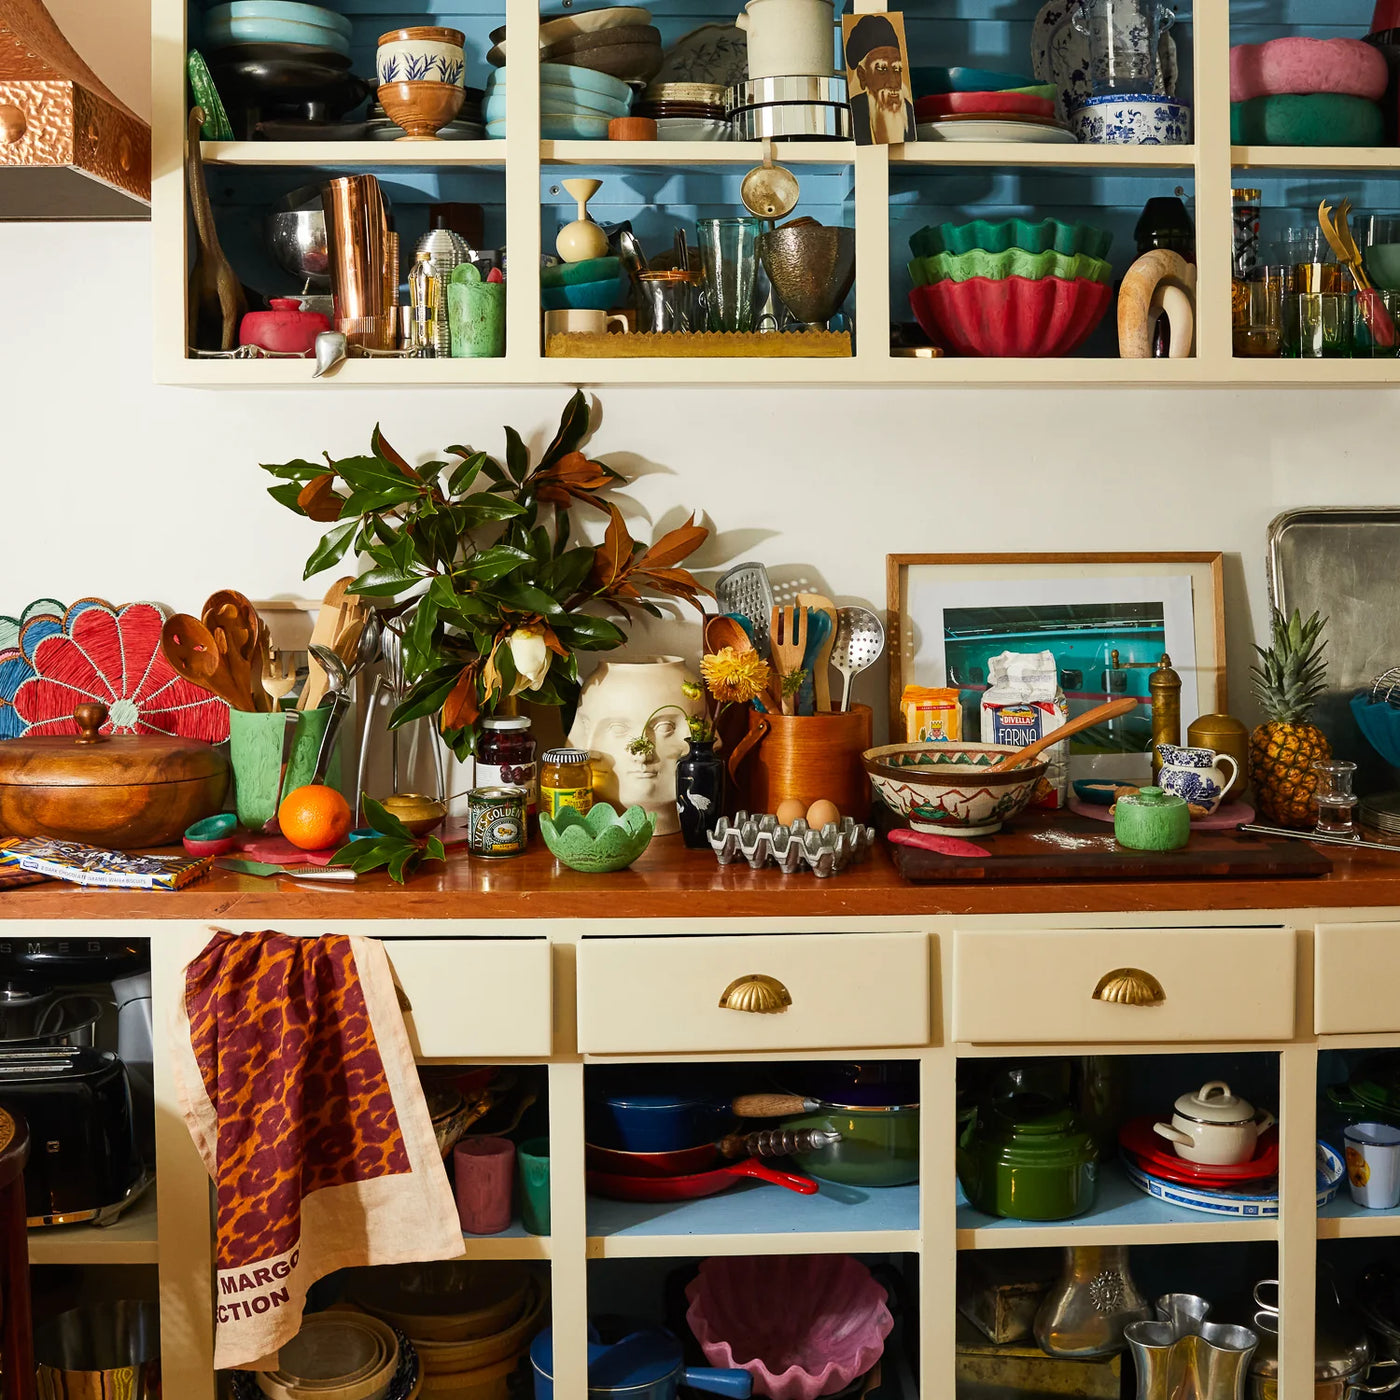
{"x":297,"y":1082}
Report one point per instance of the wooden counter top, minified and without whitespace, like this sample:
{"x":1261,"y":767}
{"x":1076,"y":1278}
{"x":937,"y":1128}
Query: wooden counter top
{"x":672,"y":882}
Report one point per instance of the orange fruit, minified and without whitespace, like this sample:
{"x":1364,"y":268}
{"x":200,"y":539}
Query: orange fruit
{"x":314,"y":817}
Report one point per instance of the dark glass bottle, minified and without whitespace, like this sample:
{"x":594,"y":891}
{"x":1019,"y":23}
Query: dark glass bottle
{"x":699,"y":792}
{"x":1165,"y":223}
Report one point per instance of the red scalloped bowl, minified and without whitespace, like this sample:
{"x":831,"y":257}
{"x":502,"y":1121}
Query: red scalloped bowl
{"x":1002,"y":104}
{"x":1011,"y":317}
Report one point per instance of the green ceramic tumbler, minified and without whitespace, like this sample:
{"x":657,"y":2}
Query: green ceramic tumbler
{"x":476,"y":315}
{"x":532,"y":1160}
{"x":1152,"y":820}
{"x":255,"y":751}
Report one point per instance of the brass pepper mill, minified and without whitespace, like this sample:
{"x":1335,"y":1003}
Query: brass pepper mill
{"x":1165,"y":687}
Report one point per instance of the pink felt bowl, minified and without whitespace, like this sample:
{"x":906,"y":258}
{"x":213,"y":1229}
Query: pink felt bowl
{"x":1011,"y":318}
{"x":1284,"y":67}
{"x":801,"y":1326}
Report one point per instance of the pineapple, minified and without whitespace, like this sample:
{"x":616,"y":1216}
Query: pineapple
{"x":1283,"y":749}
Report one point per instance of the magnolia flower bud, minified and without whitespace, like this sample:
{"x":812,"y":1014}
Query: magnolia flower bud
{"x":531,"y":657}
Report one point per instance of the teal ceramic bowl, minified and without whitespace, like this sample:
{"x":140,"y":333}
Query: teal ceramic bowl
{"x":600,"y":841}
{"x":928,"y":82}
{"x":602,"y":295}
{"x":1049,"y":235}
{"x":565,"y":75}
{"x":1014,"y":262}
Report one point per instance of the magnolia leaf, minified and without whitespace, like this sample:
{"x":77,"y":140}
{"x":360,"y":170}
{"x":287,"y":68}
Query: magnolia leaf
{"x":288,"y":494}
{"x":382,"y":820}
{"x":460,"y":709}
{"x":494,"y":563}
{"x":573,"y":425}
{"x":674,"y":545}
{"x":298,"y":470}
{"x":382,"y":449}
{"x":319,"y":499}
{"x":465,"y":473}
{"x":517,"y":456}
{"x":615,"y":553}
{"x":426,"y":695}
{"x":332,"y":548}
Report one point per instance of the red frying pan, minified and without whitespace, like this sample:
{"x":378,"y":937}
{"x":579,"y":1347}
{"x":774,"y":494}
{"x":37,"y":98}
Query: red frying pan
{"x":688,"y":1188}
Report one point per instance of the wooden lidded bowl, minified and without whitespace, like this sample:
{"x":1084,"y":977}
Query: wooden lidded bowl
{"x":124,"y":791}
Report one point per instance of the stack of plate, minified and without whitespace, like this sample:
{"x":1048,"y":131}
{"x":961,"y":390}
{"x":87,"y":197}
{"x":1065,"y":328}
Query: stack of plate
{"x":1010,"y":289}
{"x":469,"y":1323}
{"x":337,"y":1355}
{"x":1382,"y":811}
{"x":973,"y":104}
{"x":575,"y":103}
{"x":596,"y":284}
{"x":685,"y":111}
{"x":467,"y":125}
{"x":618,"y":40}
{"x":792,"y":108}
{"x":276,"y":22}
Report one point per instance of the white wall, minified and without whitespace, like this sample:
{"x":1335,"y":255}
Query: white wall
{"x":115,"y":487}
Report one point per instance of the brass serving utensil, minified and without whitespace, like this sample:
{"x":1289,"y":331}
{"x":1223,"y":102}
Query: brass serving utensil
{"x":1100,"y":714}
{"x":1337,"y":231}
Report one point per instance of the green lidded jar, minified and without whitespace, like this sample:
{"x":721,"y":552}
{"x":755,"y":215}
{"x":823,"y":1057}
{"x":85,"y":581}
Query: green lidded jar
{"x":1152,"y":820}
{"x":1028,"y":1157}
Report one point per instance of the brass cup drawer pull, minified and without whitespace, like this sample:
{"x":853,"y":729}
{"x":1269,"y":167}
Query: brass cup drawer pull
{"x":1130,"y":986}
{"x":756,"y":992}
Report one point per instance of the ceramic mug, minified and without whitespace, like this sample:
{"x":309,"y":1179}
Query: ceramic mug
{"x":421,"y":54}
{"x":576,"y":322}
{"x":1196,"y":774}
{"x":789,"y":38}
{"x":1373,"y":1165}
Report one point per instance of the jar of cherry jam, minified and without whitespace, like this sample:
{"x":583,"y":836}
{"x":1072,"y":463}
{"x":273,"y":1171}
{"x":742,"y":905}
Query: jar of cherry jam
{"x":505,"y":756}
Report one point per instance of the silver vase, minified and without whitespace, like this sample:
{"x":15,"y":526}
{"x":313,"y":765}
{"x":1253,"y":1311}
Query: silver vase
{"x":1184,"y":1357}
{"x":1095,"y":1298}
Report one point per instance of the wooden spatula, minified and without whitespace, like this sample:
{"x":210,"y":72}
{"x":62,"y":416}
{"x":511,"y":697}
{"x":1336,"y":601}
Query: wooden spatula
{"x":821,"y":663}
{"x":788,"y":642}
{"x":329,"y":621}
{"x":1100,"y":714}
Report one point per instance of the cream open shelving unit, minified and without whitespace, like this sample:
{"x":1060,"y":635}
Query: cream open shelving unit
{"x":1210,"y":164}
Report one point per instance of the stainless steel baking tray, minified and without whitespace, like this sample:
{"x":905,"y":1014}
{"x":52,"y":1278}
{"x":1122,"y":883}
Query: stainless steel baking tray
{"x":791,"y":121}
{"x":1344,"y":562}
{"x":757,"y":92}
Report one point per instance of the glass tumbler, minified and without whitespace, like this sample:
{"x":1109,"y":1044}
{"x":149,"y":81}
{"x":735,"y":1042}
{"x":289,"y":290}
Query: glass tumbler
{"x":1324,"y":325}
{"x":729,"y":255}
{"x":666,"y":303}
{"x":1376,"y":326}
{"x":1124,"y":36}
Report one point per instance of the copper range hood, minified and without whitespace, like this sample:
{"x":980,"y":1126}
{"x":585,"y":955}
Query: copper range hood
{"x":69,"y":147}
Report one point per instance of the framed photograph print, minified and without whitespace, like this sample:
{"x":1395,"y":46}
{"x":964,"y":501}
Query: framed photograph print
{"x":1107,"y":618}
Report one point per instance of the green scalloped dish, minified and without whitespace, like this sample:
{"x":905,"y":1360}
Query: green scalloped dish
{"x":1014,"y":262}
{"x":206,"y":97}
{"x":600,"y":841}
{"x":1049,"y":235}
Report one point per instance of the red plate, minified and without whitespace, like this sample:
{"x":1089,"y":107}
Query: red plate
{"x":1155,"y":1155}
{"x":688,"y":1188}
{"x":990,"y":104}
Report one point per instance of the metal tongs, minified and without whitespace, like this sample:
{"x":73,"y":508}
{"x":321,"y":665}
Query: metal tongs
{"x":1339,"y":237}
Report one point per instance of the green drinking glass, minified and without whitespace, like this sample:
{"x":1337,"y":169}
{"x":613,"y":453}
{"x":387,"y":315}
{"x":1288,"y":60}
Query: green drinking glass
{"x":729,"y":256}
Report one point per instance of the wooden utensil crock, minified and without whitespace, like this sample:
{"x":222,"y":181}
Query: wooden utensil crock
{"x":125,"y":791}
{"x":804,"y":756}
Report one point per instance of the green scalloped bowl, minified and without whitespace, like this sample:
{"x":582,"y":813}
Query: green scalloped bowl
{"x":1049,"y":235}
{"x":1014,"y":262}
{"x":599,"y":841}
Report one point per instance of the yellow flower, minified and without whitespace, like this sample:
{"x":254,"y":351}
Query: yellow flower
{"x":735,"y":677}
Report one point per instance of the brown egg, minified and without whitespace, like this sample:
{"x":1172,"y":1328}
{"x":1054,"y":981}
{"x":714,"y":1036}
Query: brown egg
{"x":789,"y":811}
{"x":822,"y":813}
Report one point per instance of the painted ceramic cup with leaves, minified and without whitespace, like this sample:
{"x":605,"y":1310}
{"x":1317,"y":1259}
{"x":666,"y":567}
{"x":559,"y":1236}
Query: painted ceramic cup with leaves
{"x":479,"y":569}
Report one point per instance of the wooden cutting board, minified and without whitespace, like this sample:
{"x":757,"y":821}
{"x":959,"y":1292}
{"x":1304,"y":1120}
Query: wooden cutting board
{"x":1063,"y":846}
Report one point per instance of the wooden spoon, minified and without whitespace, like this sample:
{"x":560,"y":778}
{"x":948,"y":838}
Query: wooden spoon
{"x":234,"y":623}
{"x":1098,"y":715}
{"x":194,"y":655}
{"x":728,"y":630}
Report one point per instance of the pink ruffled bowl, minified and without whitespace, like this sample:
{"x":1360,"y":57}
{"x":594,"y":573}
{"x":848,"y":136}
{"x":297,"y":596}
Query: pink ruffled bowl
{"x":1011,"y":317}
{"x":802,"y":1326}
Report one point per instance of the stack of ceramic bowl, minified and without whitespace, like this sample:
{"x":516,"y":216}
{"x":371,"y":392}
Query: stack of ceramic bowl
{"x":576,"y":104}
{"x":685,"y":111}
{"x":973,"y":104}
{"x":282,"y":69}
{"x":1010,"y":289}
{"x":595,"y":284}
{"x":791,"y":108}
{"x":337,"y":1356}
{"x":1308,"y":92}
{"x":470,"y":1323}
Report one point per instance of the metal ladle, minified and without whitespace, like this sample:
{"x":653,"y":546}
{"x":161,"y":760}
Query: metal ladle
{"x":860,"y":641}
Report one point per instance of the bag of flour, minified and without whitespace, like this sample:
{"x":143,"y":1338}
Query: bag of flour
{"x":1024,"y":703}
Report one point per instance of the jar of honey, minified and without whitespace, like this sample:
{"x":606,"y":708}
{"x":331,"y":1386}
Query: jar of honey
{"x":566,"y":780}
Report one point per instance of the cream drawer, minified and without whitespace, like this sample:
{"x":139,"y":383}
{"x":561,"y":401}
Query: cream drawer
{"x":1356,"y":982}
{"x":1043,"y":986}
{"x":662,"y":995}
{"x":475,"y":997}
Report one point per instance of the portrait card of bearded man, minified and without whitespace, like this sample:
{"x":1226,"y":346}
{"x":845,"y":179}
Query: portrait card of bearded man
{"x":877,"y":74}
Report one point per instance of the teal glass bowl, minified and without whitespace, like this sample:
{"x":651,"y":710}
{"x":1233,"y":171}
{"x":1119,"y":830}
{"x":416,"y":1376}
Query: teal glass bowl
{"x":1046,"y":236}
{"x":599,"y":841}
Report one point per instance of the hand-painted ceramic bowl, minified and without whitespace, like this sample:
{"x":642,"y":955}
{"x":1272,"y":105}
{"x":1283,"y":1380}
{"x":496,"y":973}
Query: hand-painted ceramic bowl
{"x":946,"y":787}
{"x":1013,"y":317}
{"x":1014,"y":262}
{"x":421,"y":54}
{"x":600,"y":841}
{"x":998,"y":236}
{"x":1127,"y":120}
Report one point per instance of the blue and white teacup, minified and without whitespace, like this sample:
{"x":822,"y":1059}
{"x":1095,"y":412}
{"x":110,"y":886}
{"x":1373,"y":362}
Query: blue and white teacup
{"x":1195,"y":774}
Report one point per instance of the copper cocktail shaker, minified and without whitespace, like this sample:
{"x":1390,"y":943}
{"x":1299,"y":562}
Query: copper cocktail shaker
{"x":361,"y":247}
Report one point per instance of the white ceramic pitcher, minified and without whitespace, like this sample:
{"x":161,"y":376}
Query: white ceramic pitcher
{"x":790,"y":38}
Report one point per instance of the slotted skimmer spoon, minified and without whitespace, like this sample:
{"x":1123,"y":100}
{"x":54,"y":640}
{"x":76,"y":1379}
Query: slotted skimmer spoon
{"x":747,"y":592}
{"x":860,"y":641}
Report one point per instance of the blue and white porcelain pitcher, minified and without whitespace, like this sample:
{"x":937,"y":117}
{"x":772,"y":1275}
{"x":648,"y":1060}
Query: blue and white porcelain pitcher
{"x":1195,"y":774}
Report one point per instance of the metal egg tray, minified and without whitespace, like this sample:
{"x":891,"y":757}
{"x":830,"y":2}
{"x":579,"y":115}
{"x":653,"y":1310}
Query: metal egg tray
{"x":761,"y":841}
